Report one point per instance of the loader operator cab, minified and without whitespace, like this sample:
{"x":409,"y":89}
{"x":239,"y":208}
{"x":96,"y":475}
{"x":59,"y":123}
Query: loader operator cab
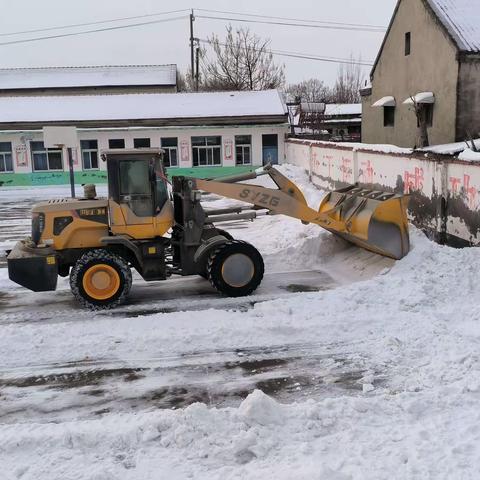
{"x":139,"y":203}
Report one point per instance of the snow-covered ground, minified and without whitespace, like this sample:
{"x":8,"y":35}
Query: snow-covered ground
{"x":344,"y":365}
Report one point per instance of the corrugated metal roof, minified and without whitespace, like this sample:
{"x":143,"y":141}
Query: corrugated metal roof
{"x":72,"y":108}
{"x":462,"y":20}
{"x":100,"y":76}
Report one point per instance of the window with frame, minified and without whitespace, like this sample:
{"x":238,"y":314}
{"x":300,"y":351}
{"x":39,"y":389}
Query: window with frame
{"x":6,"y":157}
{"x":408,"y":43}
{"x":141,"y":143}
{"x":388,"y":116}
{"x":89,"y":150}
{"x":243,"y":149}
{"x":170,"y":145}
{"x":114,"y":143}
{"x":206,"y":151}
{"x":44,"y":159}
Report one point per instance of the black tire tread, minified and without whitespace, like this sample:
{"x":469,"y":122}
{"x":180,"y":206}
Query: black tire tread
{"x":225,"y":289}
{"x":89,"y":258}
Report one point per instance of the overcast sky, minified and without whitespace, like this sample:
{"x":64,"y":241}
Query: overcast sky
{"x":168,"y":42}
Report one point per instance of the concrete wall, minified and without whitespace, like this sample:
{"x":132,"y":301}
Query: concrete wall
{"x":431,"y":67}
{"x":23,"y":171}
{"x":444,"y":192}
{"x":468,"y":121}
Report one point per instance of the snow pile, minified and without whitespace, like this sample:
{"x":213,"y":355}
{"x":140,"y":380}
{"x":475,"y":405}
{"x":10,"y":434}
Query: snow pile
{"x":410,"y":337}
{"x":469,"y":156}
{"x":260,"y":409}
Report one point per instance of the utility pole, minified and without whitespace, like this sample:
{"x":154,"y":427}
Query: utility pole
{"x":192,"y":48}
{"x":197,"y":73}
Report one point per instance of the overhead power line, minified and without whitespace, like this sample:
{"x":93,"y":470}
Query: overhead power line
{"x":293,"y":24}
{"x":88,"y":24}
{"x":382,"y":28}
{"x":84,"y":32}
{"x":306,"y":56}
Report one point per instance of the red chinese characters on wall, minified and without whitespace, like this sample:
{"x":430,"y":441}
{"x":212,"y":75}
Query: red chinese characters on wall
{"x":413,"y":181}
{"x":228,"y":145}
{"x":366,"y":172}
{"x":21,"y":155}
{"x":346,"y":170}
{"x":184,"y":151}
{"x":459,"y":187}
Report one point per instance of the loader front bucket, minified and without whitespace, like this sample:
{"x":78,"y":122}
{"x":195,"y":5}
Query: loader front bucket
{"x":373,"y":219}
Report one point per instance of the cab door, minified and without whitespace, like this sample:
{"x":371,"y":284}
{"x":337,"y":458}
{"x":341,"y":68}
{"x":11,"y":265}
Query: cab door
{"x":135,"y":191}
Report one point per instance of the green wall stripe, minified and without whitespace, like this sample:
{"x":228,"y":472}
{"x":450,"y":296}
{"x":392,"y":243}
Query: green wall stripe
{"x":62,"y":178}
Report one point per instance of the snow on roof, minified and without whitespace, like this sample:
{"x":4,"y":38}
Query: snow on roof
{"x":140,"y":106}
{"x":469,"y":155}
{"x":343,"y":109}
{"x":101,"y":76}
{"x":462,"y":20}
{"x":449,"y":148}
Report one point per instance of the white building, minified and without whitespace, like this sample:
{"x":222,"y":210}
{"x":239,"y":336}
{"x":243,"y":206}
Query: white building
{"x":204,"y":134}
{"x":89,"y":80}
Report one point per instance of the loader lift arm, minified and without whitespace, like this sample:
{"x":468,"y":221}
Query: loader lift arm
{"x":371,"y":219}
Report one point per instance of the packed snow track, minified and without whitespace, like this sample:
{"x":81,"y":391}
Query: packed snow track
{"x":342,"y":365}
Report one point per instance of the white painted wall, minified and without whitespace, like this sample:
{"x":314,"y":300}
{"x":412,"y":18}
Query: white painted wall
{"x":21,"y":142}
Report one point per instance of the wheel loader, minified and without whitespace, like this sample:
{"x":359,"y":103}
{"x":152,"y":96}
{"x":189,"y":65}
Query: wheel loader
{"x":141,"y":225}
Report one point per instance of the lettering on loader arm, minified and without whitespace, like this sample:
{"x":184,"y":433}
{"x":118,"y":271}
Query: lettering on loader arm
{"x":259,"y":198}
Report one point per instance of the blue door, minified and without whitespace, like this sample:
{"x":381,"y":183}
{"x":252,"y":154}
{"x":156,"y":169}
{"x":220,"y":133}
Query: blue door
{"x":270,"y":149}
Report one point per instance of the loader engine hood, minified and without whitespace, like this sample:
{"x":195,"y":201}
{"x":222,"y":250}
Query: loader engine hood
{"x":62,"y":212}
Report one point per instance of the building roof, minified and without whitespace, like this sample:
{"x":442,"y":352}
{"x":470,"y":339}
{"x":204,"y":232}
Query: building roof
{"x":77,"y":77}
{"x":461,"y":18}
{"x":169,"y":108}
{"x":343,"y":109}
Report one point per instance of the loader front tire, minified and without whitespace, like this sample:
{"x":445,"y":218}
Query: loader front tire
{"x":235,"y":268}
{"x":100,"y":280}
{"x":223,"y":233}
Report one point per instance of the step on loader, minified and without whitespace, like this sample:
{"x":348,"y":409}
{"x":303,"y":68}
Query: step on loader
{"x":97,"y":241}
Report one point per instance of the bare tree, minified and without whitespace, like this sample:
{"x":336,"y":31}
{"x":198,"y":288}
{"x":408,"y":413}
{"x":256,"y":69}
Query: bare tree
{"x":421,"y":112}
{"x":312,"y":91}
{"x":181,"y":82}
{"x":349,"y":82}
{"x":242,"y":62}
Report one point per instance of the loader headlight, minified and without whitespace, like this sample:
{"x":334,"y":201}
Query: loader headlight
{"x":38,"y":225}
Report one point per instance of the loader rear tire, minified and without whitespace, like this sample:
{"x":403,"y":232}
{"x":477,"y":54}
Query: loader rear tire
{"x":100,"y":280}
{"x":235,"y":268}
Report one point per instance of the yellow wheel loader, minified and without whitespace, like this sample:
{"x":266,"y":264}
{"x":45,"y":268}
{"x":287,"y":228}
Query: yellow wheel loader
{"x":140,"y":225}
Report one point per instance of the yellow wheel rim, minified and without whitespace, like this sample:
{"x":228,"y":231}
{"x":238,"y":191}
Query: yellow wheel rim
{"x":101,"y":281}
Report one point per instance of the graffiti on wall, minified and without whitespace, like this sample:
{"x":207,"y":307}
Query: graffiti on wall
{"x":346,"y":170}
{"x":460,"y":186}
{"x":366,"y":172}
{"x":413,"y":180}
